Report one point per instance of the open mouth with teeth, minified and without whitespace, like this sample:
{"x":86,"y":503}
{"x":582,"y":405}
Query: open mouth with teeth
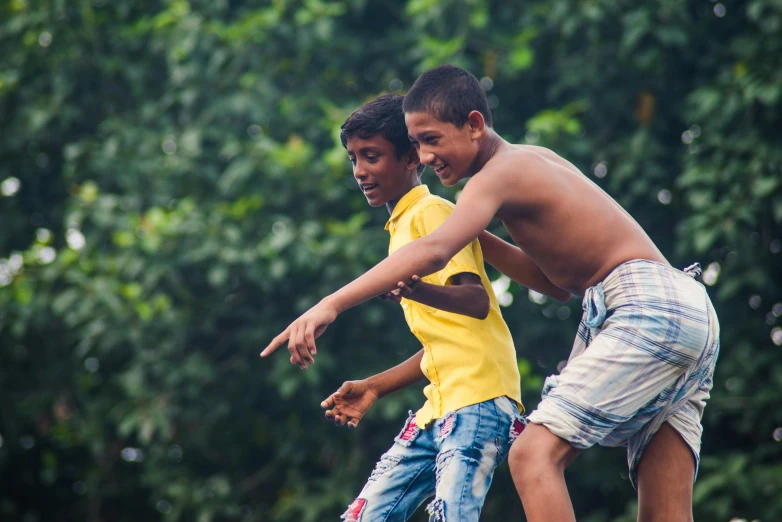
{"x":439,"y":169}
{"x":366,"y":187}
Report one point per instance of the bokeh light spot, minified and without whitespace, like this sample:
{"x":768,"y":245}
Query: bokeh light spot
{"x":537,"y":297}
{"x":169,"y":145}
{"x":487,"y":83}
{"x":75,"y":239}
{"x":92,"y":364}
{"x":279,"y":228}
{"x":10,"y":186}
{"x":46,"y":255}
{"x":45,"y":39}
{"x":164,"y":506}
{"x":776,"y":336}
{"x":712,"y":273}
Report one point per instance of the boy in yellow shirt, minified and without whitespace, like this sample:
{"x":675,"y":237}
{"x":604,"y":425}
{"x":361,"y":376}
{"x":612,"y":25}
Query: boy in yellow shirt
{"x":642,"y":364}
{"x":450,"y":447}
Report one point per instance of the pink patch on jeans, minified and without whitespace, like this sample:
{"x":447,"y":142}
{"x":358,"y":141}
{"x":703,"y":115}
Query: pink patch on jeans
{"x":410,"y":430}
{"x":515,"y":429}
{"x":353,"y":514}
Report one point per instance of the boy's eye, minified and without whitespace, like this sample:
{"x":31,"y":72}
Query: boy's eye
{"x":352,"y":160}
{"x":430,"y":140}
{"x":371,"y":159}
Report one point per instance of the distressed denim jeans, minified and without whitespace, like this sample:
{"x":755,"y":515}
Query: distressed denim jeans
{"x":453,"y":459}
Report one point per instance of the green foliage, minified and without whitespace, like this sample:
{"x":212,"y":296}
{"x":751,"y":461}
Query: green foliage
{"x":173,"y":193}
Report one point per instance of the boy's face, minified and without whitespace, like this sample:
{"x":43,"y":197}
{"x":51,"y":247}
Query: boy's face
{"x":447,"y":149}
{"x":382,"y":177}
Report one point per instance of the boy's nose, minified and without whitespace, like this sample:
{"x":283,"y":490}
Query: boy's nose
{"x":358,"y":171}
{"x":427,"y":158}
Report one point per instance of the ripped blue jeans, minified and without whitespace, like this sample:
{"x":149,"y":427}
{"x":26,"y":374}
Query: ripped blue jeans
{"x":453,"y":459}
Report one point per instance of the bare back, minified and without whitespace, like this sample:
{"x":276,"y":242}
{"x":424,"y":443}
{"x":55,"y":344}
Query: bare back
{"x":571,"y":228}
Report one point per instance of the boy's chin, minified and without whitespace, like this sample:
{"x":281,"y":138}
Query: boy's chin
{"x":374,"y":203}
{"x":450,"y":180}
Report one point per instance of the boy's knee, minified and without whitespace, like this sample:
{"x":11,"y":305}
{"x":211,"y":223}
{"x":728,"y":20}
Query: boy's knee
{"x":538,"y":451}
{"x":517,"y":456}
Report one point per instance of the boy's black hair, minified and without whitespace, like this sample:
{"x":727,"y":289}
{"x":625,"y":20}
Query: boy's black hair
{"x":383,"y":116}
{"x":448,"y":93}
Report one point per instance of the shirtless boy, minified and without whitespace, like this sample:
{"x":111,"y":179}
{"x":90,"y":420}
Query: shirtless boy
{"x":651,"y":331}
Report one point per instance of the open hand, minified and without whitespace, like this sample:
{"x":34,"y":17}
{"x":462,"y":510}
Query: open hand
{"x":403,"y":290}
{"x":349,"y":403}
{"x":301,"y":334}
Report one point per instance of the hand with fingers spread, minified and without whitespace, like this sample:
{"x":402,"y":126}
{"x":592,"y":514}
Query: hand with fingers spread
{"x":350,"y":402}
{"x":302,"y":332}
{"x":403,"y":290}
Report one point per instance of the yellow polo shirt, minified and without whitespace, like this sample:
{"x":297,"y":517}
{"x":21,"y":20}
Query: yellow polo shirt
{"x":466,"y":360}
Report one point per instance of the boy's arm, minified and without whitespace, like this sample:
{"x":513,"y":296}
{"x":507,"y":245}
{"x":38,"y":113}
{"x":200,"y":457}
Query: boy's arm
{"x":479,"y":202}
{"x":514,"y":263}
{"x":466,"y":295}
{"x":352,"y":400}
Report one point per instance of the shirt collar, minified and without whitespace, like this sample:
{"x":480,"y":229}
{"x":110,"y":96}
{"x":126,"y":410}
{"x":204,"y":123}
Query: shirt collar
{"x":407,"y":201}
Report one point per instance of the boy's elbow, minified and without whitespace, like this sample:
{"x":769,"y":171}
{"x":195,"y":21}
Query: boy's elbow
{"x":437,"y":256}
{"x":439,"y":259}
{"x":483,"y":305}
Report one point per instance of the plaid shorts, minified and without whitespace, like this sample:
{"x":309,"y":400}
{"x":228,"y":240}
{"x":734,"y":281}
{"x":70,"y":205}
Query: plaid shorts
{"x":644,"y":354}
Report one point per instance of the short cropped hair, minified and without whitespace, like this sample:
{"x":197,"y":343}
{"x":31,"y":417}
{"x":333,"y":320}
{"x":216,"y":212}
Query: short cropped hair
{"x":448,"y":93}
{"x":382,"y":116}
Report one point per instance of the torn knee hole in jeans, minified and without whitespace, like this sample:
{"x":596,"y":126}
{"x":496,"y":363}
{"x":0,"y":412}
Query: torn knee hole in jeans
{"x":386,"y":463}
{"x":443,"y":459}
{"x":436,"y":510}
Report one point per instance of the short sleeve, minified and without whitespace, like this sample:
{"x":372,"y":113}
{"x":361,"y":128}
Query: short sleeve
{"x":429,"y":219}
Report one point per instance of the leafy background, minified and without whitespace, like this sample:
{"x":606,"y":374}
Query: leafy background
{"x":173,"y":192}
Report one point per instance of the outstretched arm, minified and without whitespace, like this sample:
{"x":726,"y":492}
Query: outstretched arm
{"x":354,"y":398}
{"x":514,"y":263}
{"x":477,"y":205}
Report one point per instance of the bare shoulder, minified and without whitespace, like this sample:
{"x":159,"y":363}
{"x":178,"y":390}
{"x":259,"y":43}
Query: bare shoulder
{"x":513,"y":167}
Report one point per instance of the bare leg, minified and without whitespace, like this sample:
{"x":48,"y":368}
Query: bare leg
{"x":665,"y":475}
{"x":537,"y":461}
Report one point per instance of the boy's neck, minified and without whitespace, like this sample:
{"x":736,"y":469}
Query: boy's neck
{"x":491,"y":142}
{"x":391,"y":204}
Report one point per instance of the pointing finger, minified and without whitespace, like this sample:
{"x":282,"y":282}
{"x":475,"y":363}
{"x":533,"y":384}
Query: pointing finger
{"x":276,"y":342}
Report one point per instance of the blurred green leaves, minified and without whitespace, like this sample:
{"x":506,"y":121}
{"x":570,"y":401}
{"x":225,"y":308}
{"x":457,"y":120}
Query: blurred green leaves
{"x":181,"y":194}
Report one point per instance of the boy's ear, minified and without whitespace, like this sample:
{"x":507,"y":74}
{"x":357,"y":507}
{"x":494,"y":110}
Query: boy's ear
{"x":412,"y":159}
{"x":476,"y":124}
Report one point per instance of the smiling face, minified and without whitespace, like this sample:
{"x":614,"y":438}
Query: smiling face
{"x":449,"y":150}
{"x":382,"y":176}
